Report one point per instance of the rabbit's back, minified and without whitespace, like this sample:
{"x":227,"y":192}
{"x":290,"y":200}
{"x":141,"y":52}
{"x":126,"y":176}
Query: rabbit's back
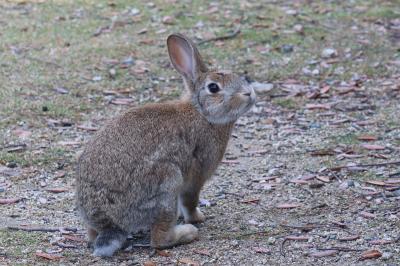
{"x":122,"y":172}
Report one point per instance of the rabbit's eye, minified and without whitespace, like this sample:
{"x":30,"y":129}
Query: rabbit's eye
{"x":213,"y":87}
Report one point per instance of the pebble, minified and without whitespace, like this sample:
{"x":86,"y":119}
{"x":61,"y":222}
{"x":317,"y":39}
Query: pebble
{"x":287,"y":48}
{"x":387,"y":255}
{"x":329,"y":53}
{"x":135,"y":11}
{"x":271,"y":240}
{"x":262,"y":87}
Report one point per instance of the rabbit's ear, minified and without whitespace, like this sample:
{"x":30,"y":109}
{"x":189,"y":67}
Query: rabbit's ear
{"x":185,"y":57}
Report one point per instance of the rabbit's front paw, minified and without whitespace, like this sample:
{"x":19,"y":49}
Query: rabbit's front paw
{"x":195,"y":217}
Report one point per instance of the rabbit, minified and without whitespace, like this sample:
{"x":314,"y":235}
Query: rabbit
{"x":148,"y":164}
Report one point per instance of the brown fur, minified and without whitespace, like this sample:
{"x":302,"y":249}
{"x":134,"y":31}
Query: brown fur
{"x":134,"y":171}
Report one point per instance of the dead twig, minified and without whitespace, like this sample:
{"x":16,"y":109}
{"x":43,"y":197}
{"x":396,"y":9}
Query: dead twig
{"x":301,"y":238}
{"x":338,"y":168}
{"x":41,"y":229}
{"x":345,"y":249}
{"x":221,"y":38}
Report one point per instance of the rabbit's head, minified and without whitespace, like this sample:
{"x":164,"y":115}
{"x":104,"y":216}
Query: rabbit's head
{"x":220,"y":96}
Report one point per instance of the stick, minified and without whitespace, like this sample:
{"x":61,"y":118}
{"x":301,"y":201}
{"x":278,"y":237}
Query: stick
{"x":341,"y":249}
{"x":301,"y":238}
{"x":41,"y":229}
{"x":221,"y":38}
{"x":338,"y":168}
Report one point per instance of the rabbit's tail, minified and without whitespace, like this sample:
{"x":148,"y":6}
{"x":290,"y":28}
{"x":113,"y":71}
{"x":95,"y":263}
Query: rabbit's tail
{"x":108,"y":241}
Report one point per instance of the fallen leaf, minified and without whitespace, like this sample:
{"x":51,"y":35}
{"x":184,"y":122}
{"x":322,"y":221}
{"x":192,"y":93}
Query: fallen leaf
{"x":325,"y":179}
{"x":325,"y":253}
{"x":163,"y":253}
{"x":349,"y":238}
{"x":48,"y":256}
{"x":300,"y":238}
{"x":367,"y":215}
{"x":149,"y":263}
{"x":74,"y":238}
{"x":57,"y":190}
{"x":367,"y":138}
{"x":202,"y":252}
{"x":325,"y":152}
{"x":9,"y":201}
{"x":188,"y":262}
{"x":87,"y":128}
{"x":325,"y":89}
{"x":312,"y":106}
{"x":122,"y":101}
{"x":69,"y":143}
{"x":373,"y":147}
{"x":380,"y":242}
{"x":22,"y":133}
{"x":371,"y":254}
{"x":261,"y":250}
{"x":250,"y":201}
{"x":288,"y":205}
{"x":376,"y":182}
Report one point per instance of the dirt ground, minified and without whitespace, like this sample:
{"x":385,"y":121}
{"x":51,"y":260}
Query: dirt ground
{"x":311,"y":175}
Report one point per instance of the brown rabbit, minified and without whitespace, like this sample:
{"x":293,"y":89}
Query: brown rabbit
{"x":152,"y":161}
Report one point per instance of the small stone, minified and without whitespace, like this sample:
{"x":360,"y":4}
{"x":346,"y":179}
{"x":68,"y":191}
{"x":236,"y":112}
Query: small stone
{"x":112,"y":73}
{"x":291,"y":12}
{"x":329,"y":53}
{"x":396,"y":193}
{"x":42,"y":200}
{"x":135,"y":11}
{"x":271,"y":240}
{"x":262,"y":87}
{"x":45,"y":108}
{"x":298,"y":28}
{"x":97,"y":78}
{"x":128,"y":61}
{"x":11,"y":164}
{"x":315,"y":72}
{"x":61,"y":90}
{"x":387,"y":255}
{"x":287,"y":48}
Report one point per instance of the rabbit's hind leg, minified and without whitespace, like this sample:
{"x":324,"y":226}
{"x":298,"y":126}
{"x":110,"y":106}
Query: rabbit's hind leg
{"x":108,"y":242}
{"x":165,"y":233}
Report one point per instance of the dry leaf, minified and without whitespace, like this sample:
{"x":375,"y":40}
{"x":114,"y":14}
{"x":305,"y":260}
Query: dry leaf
{"x":325,"y":89}
{"x":250,"y":201}
{"x":312,"y":106}
{"x":371,"y":254}
{"x":288,"y":205}
{"x":367,"y":138}
{"x":300,"y":238}
{"x":325,"y":179}
{"x":349,"y":238}
{"x":325,"y":253}
{"x":57,"y":190}
{"x":87,"y":128}
{"x":122,"y":101}
{"x":74,"y":238}
{"x":163,"y":253}
{"x":380,"y":242}
{"x":261,"y":250}
{"x":48,"y":256}
{"x":376,"y":182}
{"x":9,"y":201}
{"x":188,"y":262}
{"x":202,"y":252}
{"x":149,"y":263}
{"x":22,"y":133}
{"x":373,"y":147}
{"x":367,"y":215}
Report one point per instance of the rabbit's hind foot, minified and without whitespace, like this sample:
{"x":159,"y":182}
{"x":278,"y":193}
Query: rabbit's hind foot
{"x":108,"y":242}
